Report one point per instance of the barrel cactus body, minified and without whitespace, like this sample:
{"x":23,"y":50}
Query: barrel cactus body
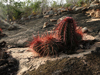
{"x":46,"y":45}
{"x":69,"y":33}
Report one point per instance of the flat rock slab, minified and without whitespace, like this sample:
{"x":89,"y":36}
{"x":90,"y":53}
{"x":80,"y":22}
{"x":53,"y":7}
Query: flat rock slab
{"x":88,"y":37}
{"x":95,"y":19}
{"x":29,"y":61}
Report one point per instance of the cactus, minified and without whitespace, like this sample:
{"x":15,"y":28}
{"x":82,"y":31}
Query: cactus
{"x":69,"y":34}
{"x":66,"y":33}
{"x":0,"y":30}
{"x":46,"y":45}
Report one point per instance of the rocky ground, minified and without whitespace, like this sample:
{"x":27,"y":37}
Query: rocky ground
{"x":32,"y":27}
{"x":75,"y":64}
{"x":87,"y":65}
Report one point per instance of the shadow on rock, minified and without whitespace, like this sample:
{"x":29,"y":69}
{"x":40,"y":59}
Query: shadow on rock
{"x":8,"y":65}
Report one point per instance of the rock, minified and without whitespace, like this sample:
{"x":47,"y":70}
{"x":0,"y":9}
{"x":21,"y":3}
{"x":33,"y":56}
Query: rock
{"x":94,"y":5}
{"x":53,"y":20}
{"x":39,"y":16}
{"x":22,"y":42}
{"x":60,"y":19}
{"x":59,"y":12}
{"x":90,"y":30}
{"x":57,"y":72}
{"x":98,"y":49}
{"x":78,"y":9}
{"x":88,"y":37}
{"x":55,"y":14}
{"x":50,"y":12}
{"x":46,"y":16}
{"x":12,"y":23}
{"x":97,"y":37}
{"x":24,"y":57}
{"x":22,"y":18}
{"x":92,"y":13}
{"x":95,"y":1}
{"x":85,"y":29}
{"x":74,"y":7}
{"x":45,"y":24}
{"x":63,"y":10}
{"x":97,"y":14}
